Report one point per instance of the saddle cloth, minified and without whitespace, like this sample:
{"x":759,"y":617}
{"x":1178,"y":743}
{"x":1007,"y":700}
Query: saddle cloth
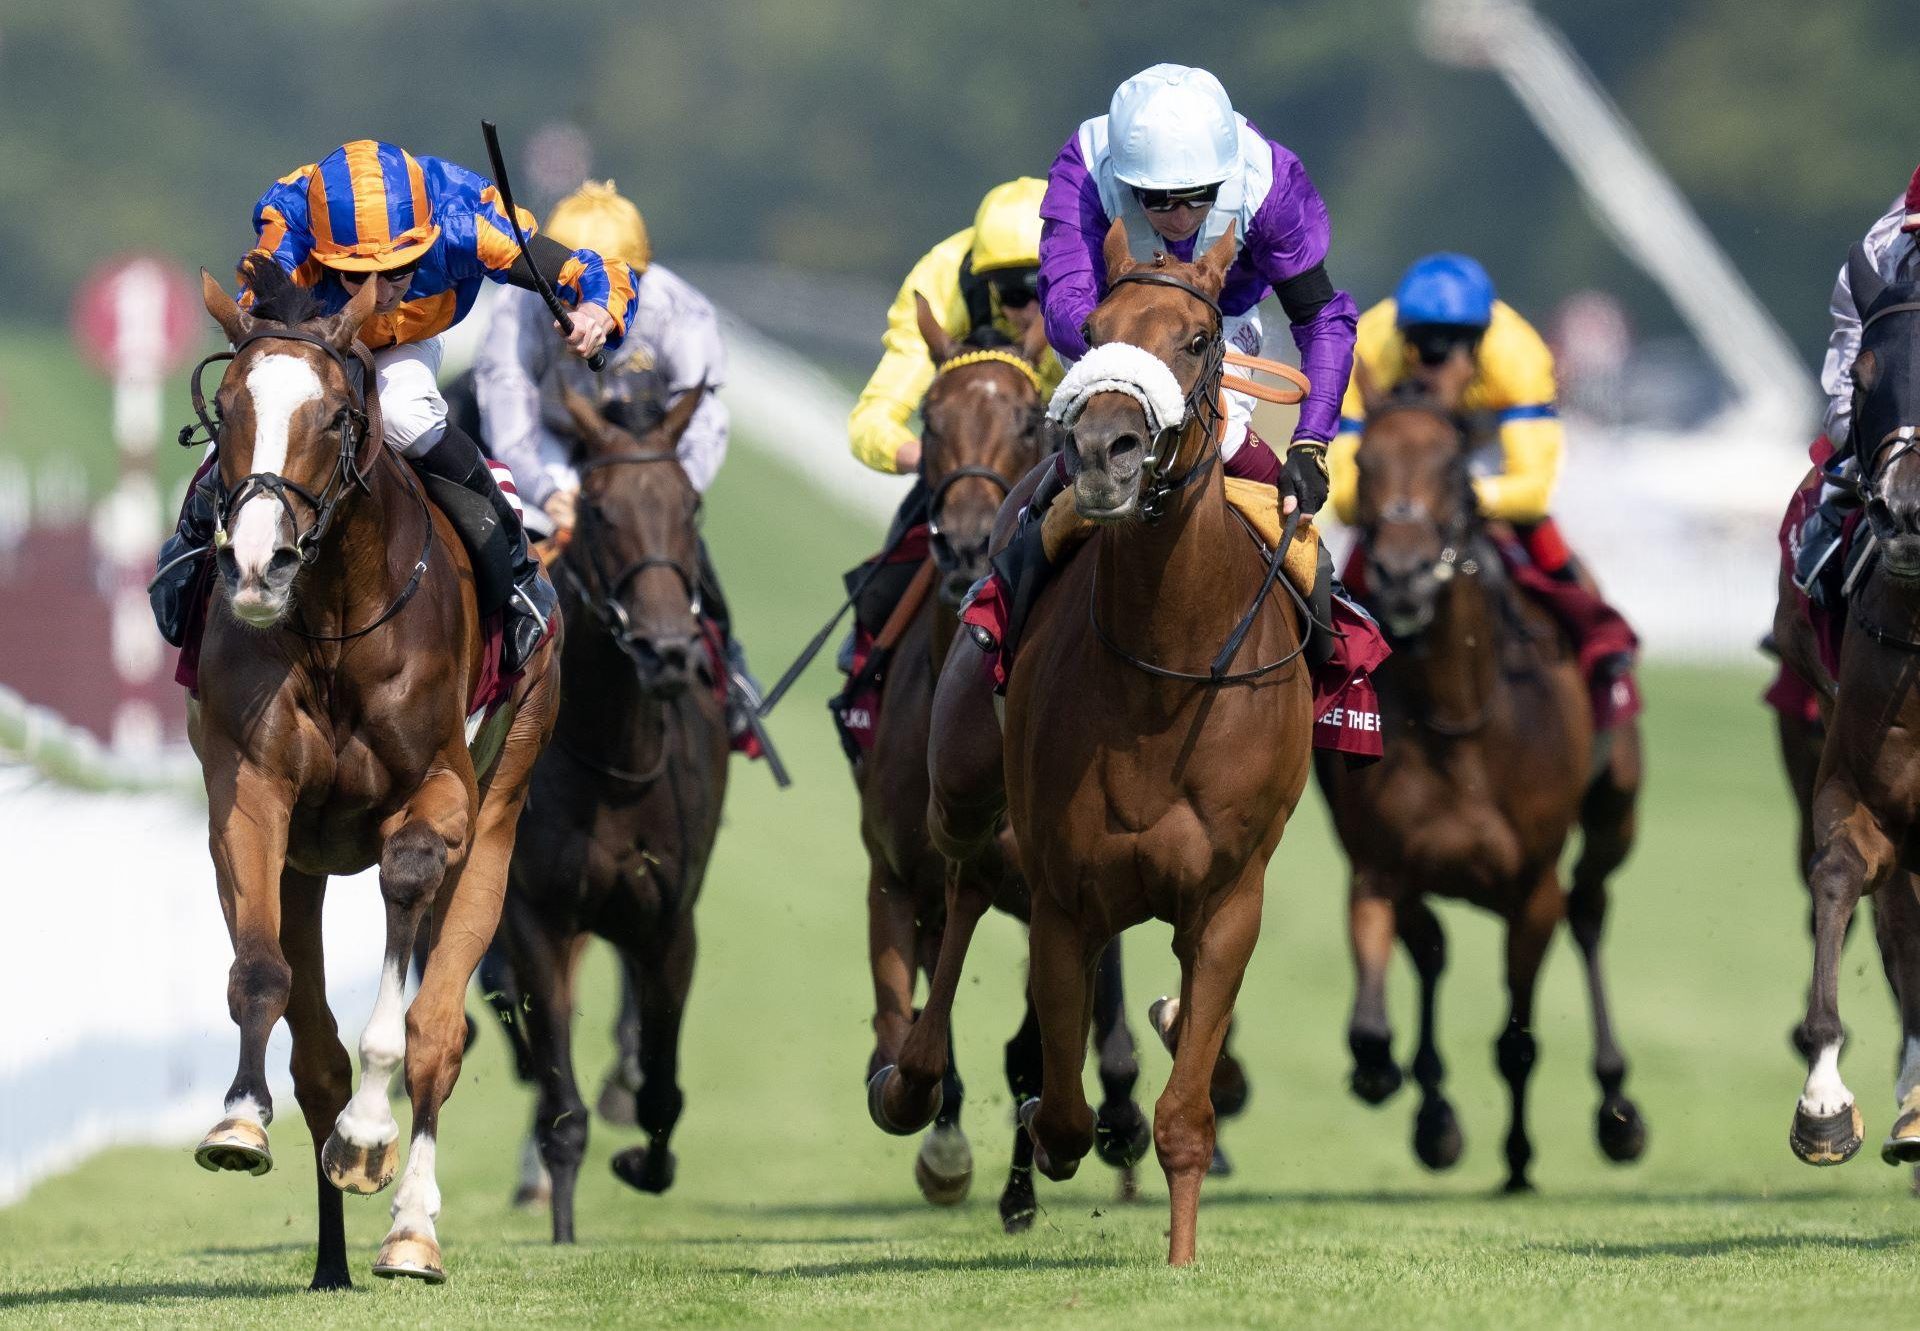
{"x":1789,"y":694}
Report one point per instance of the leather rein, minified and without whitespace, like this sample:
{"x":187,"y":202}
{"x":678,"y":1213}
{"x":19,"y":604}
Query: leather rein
{"x":362,"y":446}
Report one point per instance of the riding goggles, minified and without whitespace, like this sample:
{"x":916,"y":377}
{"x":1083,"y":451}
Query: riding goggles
{"x":1434,"y":343}
{"x":1166,"y":200}
{"x":1016,"y":290}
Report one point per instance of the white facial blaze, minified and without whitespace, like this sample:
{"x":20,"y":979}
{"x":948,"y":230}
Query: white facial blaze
{"x":278,"y":385}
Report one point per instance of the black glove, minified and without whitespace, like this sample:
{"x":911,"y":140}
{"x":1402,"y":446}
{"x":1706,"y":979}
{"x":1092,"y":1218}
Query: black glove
{"x":1305,"y":474}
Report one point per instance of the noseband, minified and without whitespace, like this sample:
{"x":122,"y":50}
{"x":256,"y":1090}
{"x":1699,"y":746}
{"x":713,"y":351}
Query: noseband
{"x":605,"y":605}
{"x":937,"y":494}
{"x":1202,"y":401}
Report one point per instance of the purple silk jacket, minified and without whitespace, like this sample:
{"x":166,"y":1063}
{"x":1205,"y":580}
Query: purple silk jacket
{"x":1289,"y":235}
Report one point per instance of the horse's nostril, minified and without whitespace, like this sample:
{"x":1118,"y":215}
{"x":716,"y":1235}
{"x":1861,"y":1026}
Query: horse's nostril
{"x":283,"y":562}
{"x":1123,"y":445}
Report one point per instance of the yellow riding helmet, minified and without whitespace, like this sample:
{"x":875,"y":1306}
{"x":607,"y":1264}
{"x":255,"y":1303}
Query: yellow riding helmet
{"x":1006,"y":230}
{"x":598,"y":217}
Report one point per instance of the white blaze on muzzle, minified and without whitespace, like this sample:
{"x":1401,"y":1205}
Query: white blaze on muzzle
{"x":279,"y":386}
{"x":1121,"y":367}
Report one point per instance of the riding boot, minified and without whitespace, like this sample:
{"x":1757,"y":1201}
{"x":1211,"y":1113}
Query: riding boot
{"x":171,"y":591}
{"x":505,"y":572}
{"x":743,"y":689}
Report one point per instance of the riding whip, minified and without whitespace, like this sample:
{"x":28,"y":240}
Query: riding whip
{"x":598,"y":360}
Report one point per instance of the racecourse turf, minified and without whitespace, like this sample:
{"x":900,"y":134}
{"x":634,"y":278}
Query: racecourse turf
{"x":792,"y":1209}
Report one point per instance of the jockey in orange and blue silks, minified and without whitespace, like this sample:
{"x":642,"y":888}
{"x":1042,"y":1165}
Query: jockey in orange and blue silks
{"x":427,"y":232}
{"x":1176,"y":163}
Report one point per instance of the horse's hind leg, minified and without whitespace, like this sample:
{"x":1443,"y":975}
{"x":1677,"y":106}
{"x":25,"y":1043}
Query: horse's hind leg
{"x":1854,"y":857}
{"x":1213,"y":959}
{"x":248,"y":817}
{"x":1121,"y":1135}
{"x":322,"y":1072}
{"x":1436,"y":1131}
{"x":1370,"y":930}
{"x":1607,"y":831}
{"x":616,"y":1104}
{"x":1017,"y":1203}
{"x":1896,"y":923}
{"x":363,"y":1151}
{"x":1529,"y":931}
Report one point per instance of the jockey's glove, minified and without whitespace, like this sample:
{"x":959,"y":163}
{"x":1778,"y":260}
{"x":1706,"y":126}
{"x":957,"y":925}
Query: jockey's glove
{"x":1305,"y":474}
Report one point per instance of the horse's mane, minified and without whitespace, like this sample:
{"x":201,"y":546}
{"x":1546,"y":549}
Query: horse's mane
{"x":276,"y":296}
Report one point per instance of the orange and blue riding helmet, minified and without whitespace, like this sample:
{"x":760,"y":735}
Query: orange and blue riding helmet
{"x":368,"y":206}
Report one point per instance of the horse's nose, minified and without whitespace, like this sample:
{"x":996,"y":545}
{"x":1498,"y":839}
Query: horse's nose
{"x":1116,"y":450}
{"x":668,"y":662}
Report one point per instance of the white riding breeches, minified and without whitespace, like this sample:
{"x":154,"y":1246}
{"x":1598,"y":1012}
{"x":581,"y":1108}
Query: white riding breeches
{"x":410,"y":401}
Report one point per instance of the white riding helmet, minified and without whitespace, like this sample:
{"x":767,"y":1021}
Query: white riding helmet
{"x":1172,"y":127}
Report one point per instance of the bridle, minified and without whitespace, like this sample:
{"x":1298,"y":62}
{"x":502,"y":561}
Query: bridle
{"x":1202,"y":403}
{"x":937,"y":493}
{"x":604,"y":603}
{"x":362,"y":445}
{"x":1455,"y":535}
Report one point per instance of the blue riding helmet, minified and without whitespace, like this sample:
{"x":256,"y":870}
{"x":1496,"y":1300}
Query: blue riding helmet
{"x":1444,"y":289}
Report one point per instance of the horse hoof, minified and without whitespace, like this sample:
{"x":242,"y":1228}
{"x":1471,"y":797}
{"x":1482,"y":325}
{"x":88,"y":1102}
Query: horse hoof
{"x":1129,"y":1185}
{"x":1041,"y":1160}
{"x":1162,"y":1013}
{"x":943,"y":1168}
{"x":414,"y":1256}
{"x":1220,"y":1166}
{"x":1375,"y":1075}
{"x":877,"y":1105}
{"x":1017,"y":1205}
{"x":1121,"y":1138}
{"x":1229,"y":1090}
{"x":1826,"y":1139}
{"x":533,"y":1196}
{"x":325,"y":1282}
{"x":1437,"y":1142}
{"x":359,"y":1169}
{"x":618,"y":1104}
{"x":238,"y":1144}
{"x":1623,"y":1133}
{"x":1517,"y":1187}
{"x":1902,"y":1146}
{"x":644,"y":1168}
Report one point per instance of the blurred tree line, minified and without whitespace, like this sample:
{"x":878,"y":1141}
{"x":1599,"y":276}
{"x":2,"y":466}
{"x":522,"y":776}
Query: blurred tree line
{"x":848,"y":135}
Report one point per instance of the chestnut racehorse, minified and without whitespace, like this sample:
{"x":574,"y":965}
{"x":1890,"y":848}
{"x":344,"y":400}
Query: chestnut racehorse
{"x":1490,"y":763}
{"x":618,"y":831}
{"x":339,"y":653}
{"x":1866,"y":796}
{"x":984,"y":427}
{"x":1140,"y":783}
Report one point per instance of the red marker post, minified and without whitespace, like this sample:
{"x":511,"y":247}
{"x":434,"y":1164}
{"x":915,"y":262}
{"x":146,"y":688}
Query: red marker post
{"x":137,"y":319}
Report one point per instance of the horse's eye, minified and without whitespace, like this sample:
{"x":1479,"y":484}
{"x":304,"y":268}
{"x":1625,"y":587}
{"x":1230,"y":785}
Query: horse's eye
{"x":1198,"y":345}
{"x":1086,"y":332}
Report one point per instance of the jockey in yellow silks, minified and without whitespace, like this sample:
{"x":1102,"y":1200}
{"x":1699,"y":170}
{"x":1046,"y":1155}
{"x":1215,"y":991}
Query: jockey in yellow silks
{"x":1444,"y":308}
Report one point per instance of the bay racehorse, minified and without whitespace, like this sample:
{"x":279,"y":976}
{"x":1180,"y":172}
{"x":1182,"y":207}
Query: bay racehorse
{"x":619,"y":828}
{"x":1490,"y":763}
{"x":984,"y":426}
{"x":1141,"y":784}
{"x":1866,"y":796}
{"x":338,"y":656}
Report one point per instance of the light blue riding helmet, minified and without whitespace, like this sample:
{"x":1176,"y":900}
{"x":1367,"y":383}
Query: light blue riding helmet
{"x":1444,"y":289}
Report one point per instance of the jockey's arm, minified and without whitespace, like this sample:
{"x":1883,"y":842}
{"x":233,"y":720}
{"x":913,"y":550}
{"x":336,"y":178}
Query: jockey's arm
{"x":690,"y":354}
{"x":1885,"y":249}
{"x":581,"y":278}
{"x":283,"y":232}
{"x":1073,"y":228}
{"x":514,"y":354}
{"x":1516,"y":378}
{"x":1376,"y":351}
{"x":878,"y":428}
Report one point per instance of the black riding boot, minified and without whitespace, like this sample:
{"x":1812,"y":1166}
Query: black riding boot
{"x":504,"y":570}
{"x":743,"y":689}
{"x":171,"y":591}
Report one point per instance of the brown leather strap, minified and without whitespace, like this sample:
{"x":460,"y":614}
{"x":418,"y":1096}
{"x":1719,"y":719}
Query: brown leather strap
{"x":916,"y":596}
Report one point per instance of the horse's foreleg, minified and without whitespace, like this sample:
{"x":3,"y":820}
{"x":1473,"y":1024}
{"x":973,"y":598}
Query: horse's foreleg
{"x":906,"y":1097}
{"x":661,"y":981}
{"x":363,"y":1151}
{"x":892,"y":950}
{"x":1017,"y":1206}
{"x":1529,"y":931}
{"x":248,"y":819}
{"x":1121,"y":1135}
{"x":1370,"y":929}
{"x":1896,"y":922}
{"x":1607,"y":831}
{"x":1060,"y":965}
{"x":543,"y":963}
{"x":322,"y":1072}
{"x":1436,"y":1131}
{"x":1854,"y":857}
{"x":622,"y":1082}
{"x":1213,"y":957}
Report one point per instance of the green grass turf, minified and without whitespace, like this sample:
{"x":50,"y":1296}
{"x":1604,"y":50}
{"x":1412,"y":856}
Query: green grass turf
{"x":792,"y":1209}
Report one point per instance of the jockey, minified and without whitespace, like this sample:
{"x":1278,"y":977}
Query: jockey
{"x":978,"y":278}
{"x":1176,"y":163}
{"x":427,"y":232}
{"x":1442,"y":315}
{"x":672,"y":347}
{"x":1892,"y":246}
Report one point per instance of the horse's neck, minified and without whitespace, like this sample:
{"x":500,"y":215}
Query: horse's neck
{"x":1457,"y":669}
{"x":1167,"y":589}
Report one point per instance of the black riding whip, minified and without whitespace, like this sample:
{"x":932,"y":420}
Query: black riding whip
{"x":598,"y":360}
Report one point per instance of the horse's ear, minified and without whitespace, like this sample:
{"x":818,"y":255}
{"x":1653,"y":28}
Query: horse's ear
{"x":235,"y":322}
{"x":1866,"y":283}
{"x":1115,"y":252}
{"x":1214,"y":263}
{"x":343,"y":327}
{"x":587,"y":419}
{"x":680,"y":415}
{"x":1033,"y":343}
{"x":939,"y":344}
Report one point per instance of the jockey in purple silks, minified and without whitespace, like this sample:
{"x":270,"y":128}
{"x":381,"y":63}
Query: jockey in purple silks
{"x":1173,"y":160}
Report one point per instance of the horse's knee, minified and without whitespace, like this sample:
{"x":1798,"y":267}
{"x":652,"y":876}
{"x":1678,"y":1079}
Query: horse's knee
{"x":1515,"y":1053}
{"x":563,"y":1136}
{"x":412,"y":863}
{"x":258,"y":980}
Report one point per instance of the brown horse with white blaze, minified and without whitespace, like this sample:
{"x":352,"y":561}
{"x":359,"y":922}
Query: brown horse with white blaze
{"x":1490,"y":763}
{"x":339,"y":653}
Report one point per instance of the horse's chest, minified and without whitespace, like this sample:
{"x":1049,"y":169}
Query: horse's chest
{"x":1445,"y":821}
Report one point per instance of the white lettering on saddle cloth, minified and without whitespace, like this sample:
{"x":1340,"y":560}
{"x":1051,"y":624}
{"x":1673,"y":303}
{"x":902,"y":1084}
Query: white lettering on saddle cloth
{"x":1347,"y":718}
